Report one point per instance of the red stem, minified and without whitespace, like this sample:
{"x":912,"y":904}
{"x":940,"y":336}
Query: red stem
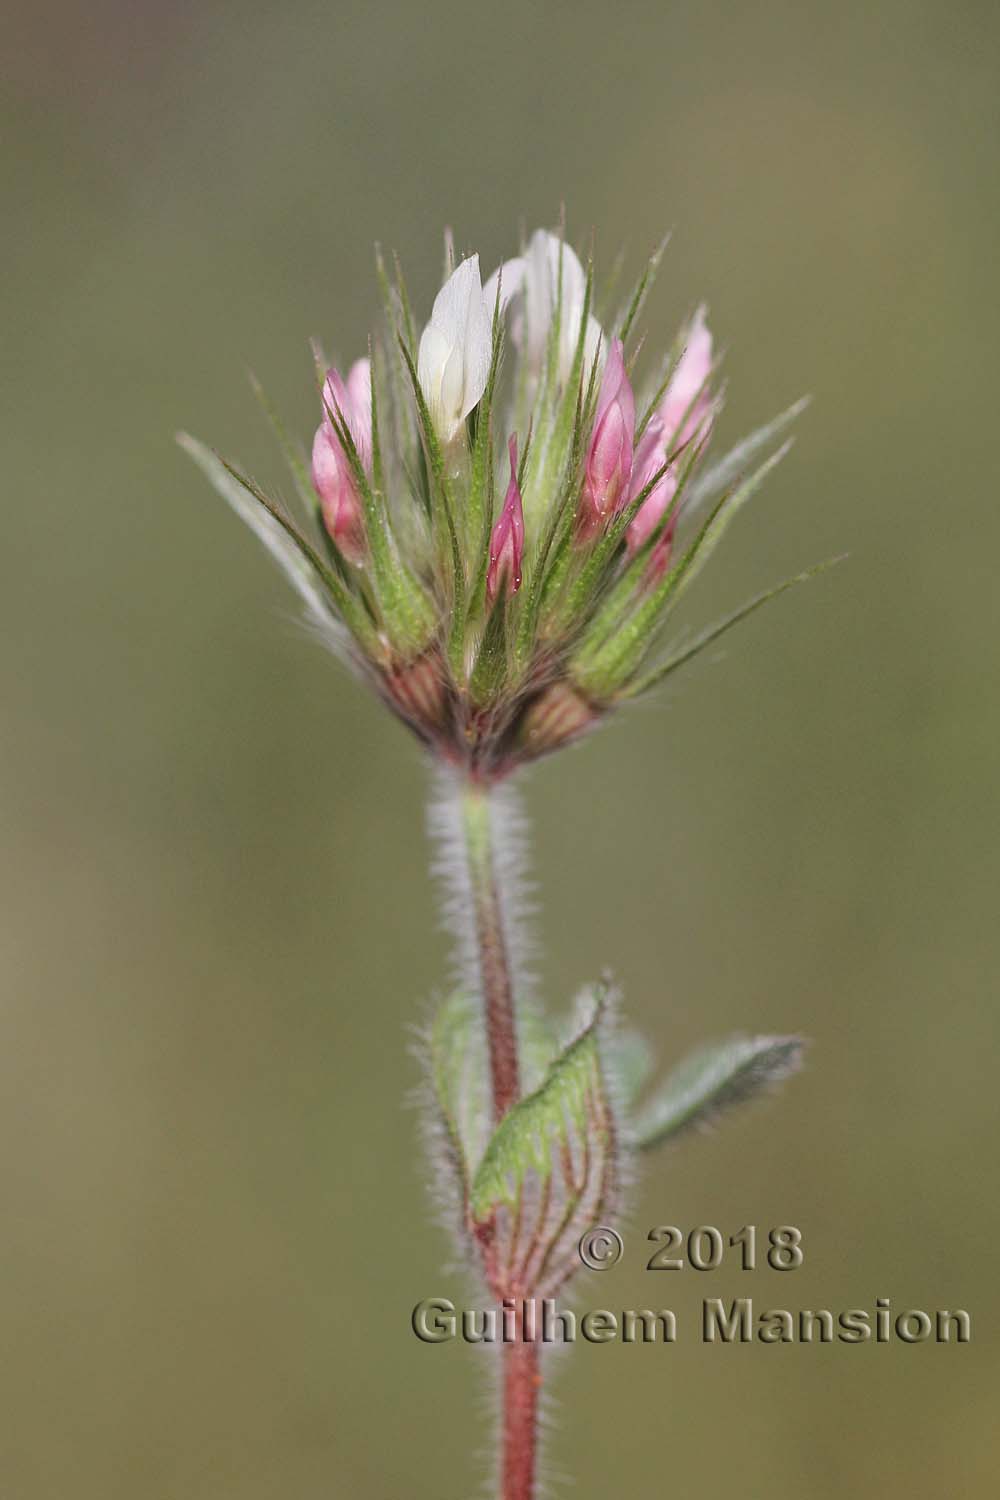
{"x":491,"y":944}
{"x":521,"y":1364}
{"x":521,"y":1384}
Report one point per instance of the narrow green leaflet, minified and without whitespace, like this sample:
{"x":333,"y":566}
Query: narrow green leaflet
{"x":478,"y":518}
{"x":628,"y":1059}
{"x":711,"y":633}
{"x":642,"y":290}
{"x":548,"y":1172}
{"x":442,"y":518}
{"x":715,"y":527}
{"x":722,"y":474}
{"x":308,"y":574}
{"x":713,"y":1080}
{"x":609,"y":666}
{"x":406,"y":609}
{"x":292,"y":455}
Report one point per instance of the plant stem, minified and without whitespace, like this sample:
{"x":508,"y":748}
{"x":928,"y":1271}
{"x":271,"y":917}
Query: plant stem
{"x":495,"y":979}
{"x":521,"y":1384}
{"x":521,"y":1365}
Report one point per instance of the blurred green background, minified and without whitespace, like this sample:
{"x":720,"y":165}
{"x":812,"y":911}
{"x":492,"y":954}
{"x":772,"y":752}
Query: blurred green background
{"x":217,"y":928}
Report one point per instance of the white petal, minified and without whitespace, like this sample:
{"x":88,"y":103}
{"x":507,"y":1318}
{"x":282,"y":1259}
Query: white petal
{"x":359,"y":386}
{"x":453,"y":361}
{"x":450,"y":312}
{"x":574,"y":282}
{"x":553,"y":277}
{"x":510,"y":276}
{"x":477,"y":351}
{"x":539,"y":295}
{"x":432,"y":357}
{"x":452,"y":392}
{"x":594,"y":343}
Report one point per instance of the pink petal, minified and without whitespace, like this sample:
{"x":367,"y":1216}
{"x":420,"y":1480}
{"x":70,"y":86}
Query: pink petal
{"x":507,"y":541}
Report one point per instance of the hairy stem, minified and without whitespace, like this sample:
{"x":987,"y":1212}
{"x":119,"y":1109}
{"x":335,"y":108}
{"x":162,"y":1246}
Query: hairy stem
{"x":493,"y":958}
{"x":521,"y":1367}
{"x":521,"y":1384}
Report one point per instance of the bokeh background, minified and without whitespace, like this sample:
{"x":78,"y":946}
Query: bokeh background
{"x":216,"y":924}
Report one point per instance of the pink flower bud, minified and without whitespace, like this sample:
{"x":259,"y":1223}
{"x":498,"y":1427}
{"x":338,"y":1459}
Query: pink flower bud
{"x":507,"y":541}
{"x":332,"y":476}
{"x":684,"y":412}
{"x":686,"y":402}
{"x":609,"y":461}
{"x":661,"y":555}
{"x":650,"y":456}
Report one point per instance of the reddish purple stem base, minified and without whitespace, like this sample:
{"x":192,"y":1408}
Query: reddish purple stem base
{"x":521,"y":1385}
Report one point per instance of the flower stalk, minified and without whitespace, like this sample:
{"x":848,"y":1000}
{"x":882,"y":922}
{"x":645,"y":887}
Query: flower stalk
{"x":522,"y":1377}
{"x":491,"y":947}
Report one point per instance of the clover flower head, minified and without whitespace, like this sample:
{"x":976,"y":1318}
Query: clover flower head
{"x":500,"y":621}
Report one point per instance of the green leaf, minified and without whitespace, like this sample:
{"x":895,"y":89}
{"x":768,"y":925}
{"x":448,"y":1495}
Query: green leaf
{"x":715,"y":1079}
{"x":606,"y":666}
{"x":567,"y":409}
{"x":459,"y":1077}
{"x":489,"y":674}
{"x":459,"y":1074}
{"x":536,"y":1045}
{"x":589,"y":584}
{"x":622,"y":601}
{"x":727,"y":469}
{"x":442,"y":518}
{"x":712,"y":633}
{"x":292,"y":454}
{"x":668,"y":368}
{"x":406,"y":610}
{"x":715,"y":527}
{"x":479,"y":513}
{"x":378,"y":472}
{"x":402,"y":425}
{"x":548,"y":1172}
{"x":409,"y":326}
{"x":308,"y":573}
{"x":628,"y":1059}
{"x":551,"y":558}
{"x":642,"y":289}
{"x":478,"y":519}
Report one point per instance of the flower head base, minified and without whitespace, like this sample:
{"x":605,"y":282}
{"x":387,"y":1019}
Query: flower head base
{"x":498,"y":630}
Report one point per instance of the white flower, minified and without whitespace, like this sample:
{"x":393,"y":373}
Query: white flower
{"x":539,"y":285}
{"x":453,"y":363}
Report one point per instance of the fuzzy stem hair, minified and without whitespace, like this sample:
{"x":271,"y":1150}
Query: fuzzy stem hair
{"x":479,"y":832}
{"x":496,"y":981}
